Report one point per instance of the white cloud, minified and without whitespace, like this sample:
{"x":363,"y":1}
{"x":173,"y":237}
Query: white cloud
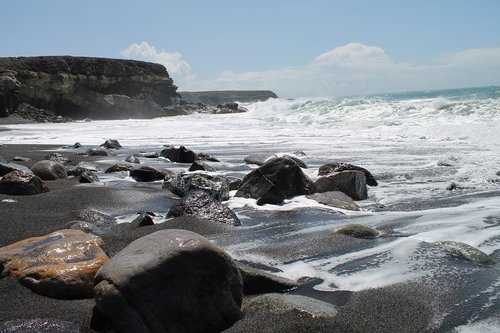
{"x":356,"y":68}
{"x":350,"y":69}
{"x":179,"y":69}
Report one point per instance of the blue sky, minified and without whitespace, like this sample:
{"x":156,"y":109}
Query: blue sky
{"x":296,"y":48}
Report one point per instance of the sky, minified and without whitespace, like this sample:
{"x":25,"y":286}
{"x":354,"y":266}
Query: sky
{"x":313,"y":48}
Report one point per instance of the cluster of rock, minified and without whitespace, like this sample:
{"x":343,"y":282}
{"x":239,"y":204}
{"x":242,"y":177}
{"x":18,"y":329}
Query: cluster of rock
{"x":60,"y":88}
{"x":176,"y":280}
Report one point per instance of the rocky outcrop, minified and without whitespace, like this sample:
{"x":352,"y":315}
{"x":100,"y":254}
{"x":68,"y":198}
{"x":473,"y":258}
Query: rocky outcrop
{"x":81,"y":87}
{"x":227,"y":96}
{"x":170,"y":281}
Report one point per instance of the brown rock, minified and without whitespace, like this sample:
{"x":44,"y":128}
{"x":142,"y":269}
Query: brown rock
{"x":59,"y":265}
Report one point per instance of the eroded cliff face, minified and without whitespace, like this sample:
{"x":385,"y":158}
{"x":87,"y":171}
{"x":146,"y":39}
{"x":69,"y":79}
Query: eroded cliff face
{"x":80,"y":87}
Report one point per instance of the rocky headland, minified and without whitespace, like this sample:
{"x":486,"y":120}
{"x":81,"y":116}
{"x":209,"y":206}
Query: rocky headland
{"x":63,"y":88}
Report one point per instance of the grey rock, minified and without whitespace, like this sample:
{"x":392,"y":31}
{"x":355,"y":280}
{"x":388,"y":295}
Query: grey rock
{"x":329,"y":168}
{"x":202,"y":205}
{"x":111,"y":144}
{"x":49,"y":170}
{"x":466,"y":251}
{"x":149,"y":154}
{"x":259,"y":159}
{"x":119,"y":167}
{"x":132,"y":159}
{"x":97,"y":152}
{"x":216,"y":186}
{"x":170,"y":281}
{"x":325,"y":184}
{"x":143,"y":219}
{"x":356,"y":230}
{"x":87,"y":166}
{"x":335,"y":199}
{"x":206,"y":157}
{"x":56,"y":157}
{"x":352,"y":183}
{"x":88,"y":177}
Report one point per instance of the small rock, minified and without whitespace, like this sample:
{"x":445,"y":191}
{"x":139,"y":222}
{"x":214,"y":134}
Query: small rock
{"x":150,"y":174}
{"x":202,"y":205}
{"x":466,"y":251}
{"x":327,"y":169}
{"x":74,"y":171}
{"x":179,"y":155}
{"x":97,"y":152}
{"x":170,"y":281}
{"x":200,"y":166}
{"x":452,"y":186}
{"x":357,"y":231}
{"x":111,"y":144}
{"x":119,"y":167}
{"x":87,"y":166}
{"x":49,"y":170}
{"x":56,"y":157}
{"x":21,"y":183}
{"x":335,"y":199}
{"x":77,"y":145}
{"x":132,"y":159}
{"x":259,"y":159}
{"x":142,"y":220}
{"x":206,"y":157}
{"x":87,"y":177}
{"x":150,"y":154}
{"x":60,"y":265}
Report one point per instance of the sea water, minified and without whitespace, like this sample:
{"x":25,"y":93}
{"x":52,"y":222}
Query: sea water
{"x":416,"y":144}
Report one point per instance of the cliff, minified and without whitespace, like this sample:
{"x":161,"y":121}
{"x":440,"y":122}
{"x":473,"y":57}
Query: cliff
{"x":227,"y":96}
{"x":81,"y":87}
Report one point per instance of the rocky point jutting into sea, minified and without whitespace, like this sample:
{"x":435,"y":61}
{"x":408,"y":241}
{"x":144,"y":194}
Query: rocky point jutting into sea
{"x":357,"y":214}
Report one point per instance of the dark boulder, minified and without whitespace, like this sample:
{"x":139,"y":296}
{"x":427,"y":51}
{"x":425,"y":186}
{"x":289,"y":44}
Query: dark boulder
{"x":119,"y":167}
{"x":352,"y":183}
{"x":73,"y":170}
{"x":215,"y":185}
{"x":49,"y":170}
{"x":111,"y":144}
{"x":21,"y":183}
{"x":88,"y":177}
{"x":202,"y":205}
{"x":77,"y":145}
{"x":206,"y":157}
{"x":179,"y":155}
{"x":132,"y":159}
{"x":200,"y":166}
{"x":278,"y":178}
{"x":143,"y":219}
{"x":56,"y":157}
{"x":170,"y":281}
{"x":149,"y":174}
{"x":5,"y":168}
{"x":325,"y":184}
{"x":329,"y":168}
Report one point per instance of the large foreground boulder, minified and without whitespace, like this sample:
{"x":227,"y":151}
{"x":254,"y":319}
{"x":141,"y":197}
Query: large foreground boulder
{"x":49,"y":170}
{"x":216,"y":186}
{"x":202,"y":205}
{"x":274,"y":181}
{"x":22,"y":183}
{"x":170,"y":281}
{"x":60,"y":265}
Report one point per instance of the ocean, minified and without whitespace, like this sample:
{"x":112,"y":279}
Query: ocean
{"x":416,"y":144}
